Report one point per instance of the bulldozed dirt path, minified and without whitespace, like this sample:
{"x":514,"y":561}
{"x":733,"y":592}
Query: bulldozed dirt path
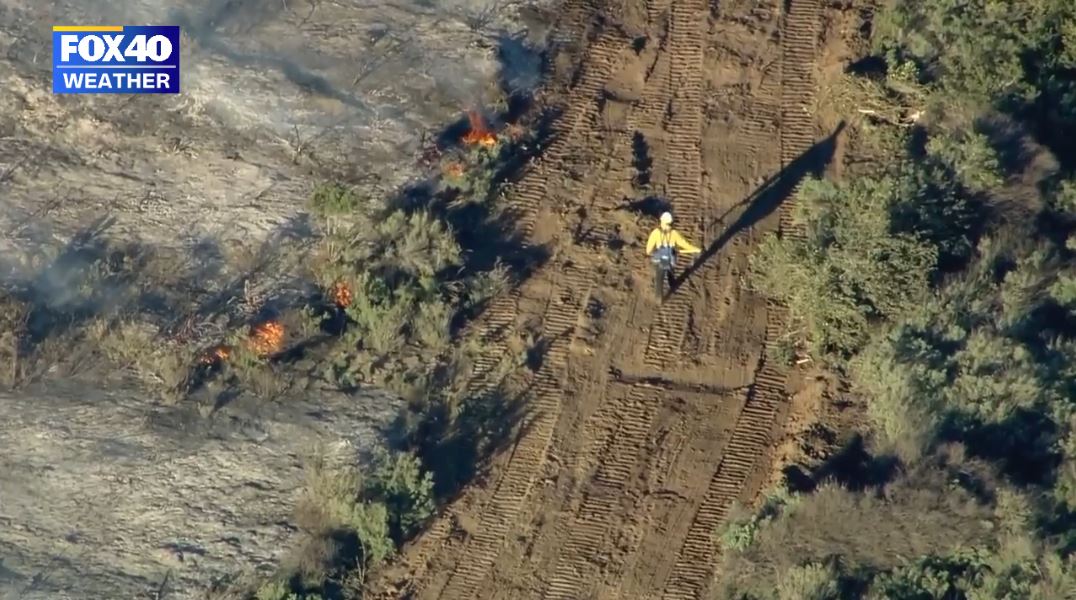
{"x":646,"y":423}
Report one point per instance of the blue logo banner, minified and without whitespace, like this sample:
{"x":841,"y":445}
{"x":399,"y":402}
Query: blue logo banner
{"x":115,"y":59}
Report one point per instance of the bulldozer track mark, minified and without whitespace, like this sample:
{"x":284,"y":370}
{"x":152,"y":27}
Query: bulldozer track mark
{"x":525,"y":199}
{"x":532,"y":192}
{"x":698,"y":555}
{"x":576,"y":17}
{"x":600,"y":508}
{"x":529,"y":455}
{"x":654,"y":9}
{"x":798,"y":48}
{"x":704,"y":431}
{"x":667,"y":331}
{"x":684,"y":145}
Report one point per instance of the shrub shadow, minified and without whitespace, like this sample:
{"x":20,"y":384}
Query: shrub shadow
{"x":853,"y":467}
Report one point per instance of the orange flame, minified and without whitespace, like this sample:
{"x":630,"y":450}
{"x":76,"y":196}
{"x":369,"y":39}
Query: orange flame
{"x":267,"y":338}
{"x":479,"y":133}
{"x":454,"y":169}
{"x":215,"y":355}
{"x":341,"y":294}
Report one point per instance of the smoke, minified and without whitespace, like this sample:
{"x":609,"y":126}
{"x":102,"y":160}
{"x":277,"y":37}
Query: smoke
{"x":521,"y":64}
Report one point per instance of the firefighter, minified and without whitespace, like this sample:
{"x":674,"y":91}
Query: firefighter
{"x":662,"y":247}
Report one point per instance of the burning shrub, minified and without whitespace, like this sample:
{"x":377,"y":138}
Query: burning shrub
{"x":479,"y":134}
{"x":453,"y":169}
{"x":341,"y":294}
{"x":267,"y":338}
{"x":215,"y":355}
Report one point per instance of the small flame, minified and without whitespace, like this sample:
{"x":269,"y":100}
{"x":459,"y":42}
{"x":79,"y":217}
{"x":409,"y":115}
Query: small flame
{"x":479,"y":133}
{"x":341,"y":294}
{"x":216,"y":355}
{"x":267,"y":338}
{"x":454,"y":169}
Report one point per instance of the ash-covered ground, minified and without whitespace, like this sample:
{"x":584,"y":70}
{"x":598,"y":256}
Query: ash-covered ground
{"x":105,"y":496}
{"x":275,"y":94}
{"x":105,"y":492}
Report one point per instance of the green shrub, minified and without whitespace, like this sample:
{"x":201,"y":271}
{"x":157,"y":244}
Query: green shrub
{"x":954,"y":322}
{"x":432,"y":325}
{"x":417,"y":243}
{"x":852,"y":270}
{"x":970,"y":157}
{"x":278,"y":590}
{"x":808,"y":582}
{"x":739,"y":531}
{"x":1015,"y":569}
{"x":333,"y":199}
{"x":835,"y":534}
{"x":1064,"y":199}
{"x":979,"y":362}
{"x":399,"y":482}
{"x":14,"y":314}
{"x":981,"y":49}
{"x":486,"y":285}
{"x":333,"y":501}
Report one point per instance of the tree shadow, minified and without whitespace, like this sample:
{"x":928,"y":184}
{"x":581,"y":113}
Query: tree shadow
{"x":766,"y":199}
{"x":1024,"y":444}
{"x":455,"y":442}
{"x":641,"y":160}
{"x":650,"y":206}
{"x":853,"y":467}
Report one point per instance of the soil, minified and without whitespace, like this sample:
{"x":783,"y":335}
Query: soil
{"x":647,"y":422}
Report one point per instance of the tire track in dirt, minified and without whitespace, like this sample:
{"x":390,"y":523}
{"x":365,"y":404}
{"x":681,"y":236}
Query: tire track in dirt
{"x":684,"y":149}
{"x":530,"y":452}
{"x":604,"y":495}
{"x":586,"y":533}
{"x":526,"y":199}
{"x":698,"y":556}
{"x":581,"y":109}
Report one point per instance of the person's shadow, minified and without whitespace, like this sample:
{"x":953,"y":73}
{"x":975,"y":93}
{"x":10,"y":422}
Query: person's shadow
{"x":766,"y":199}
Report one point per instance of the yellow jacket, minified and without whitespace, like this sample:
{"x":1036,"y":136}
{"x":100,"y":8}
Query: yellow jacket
{"x":669,"y":237}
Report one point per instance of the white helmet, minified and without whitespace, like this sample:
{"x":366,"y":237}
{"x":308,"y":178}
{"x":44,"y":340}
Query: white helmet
{"x":666,"y":218}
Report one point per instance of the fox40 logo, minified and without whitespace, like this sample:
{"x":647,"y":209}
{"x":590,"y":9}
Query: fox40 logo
{"x":115,"y":59}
